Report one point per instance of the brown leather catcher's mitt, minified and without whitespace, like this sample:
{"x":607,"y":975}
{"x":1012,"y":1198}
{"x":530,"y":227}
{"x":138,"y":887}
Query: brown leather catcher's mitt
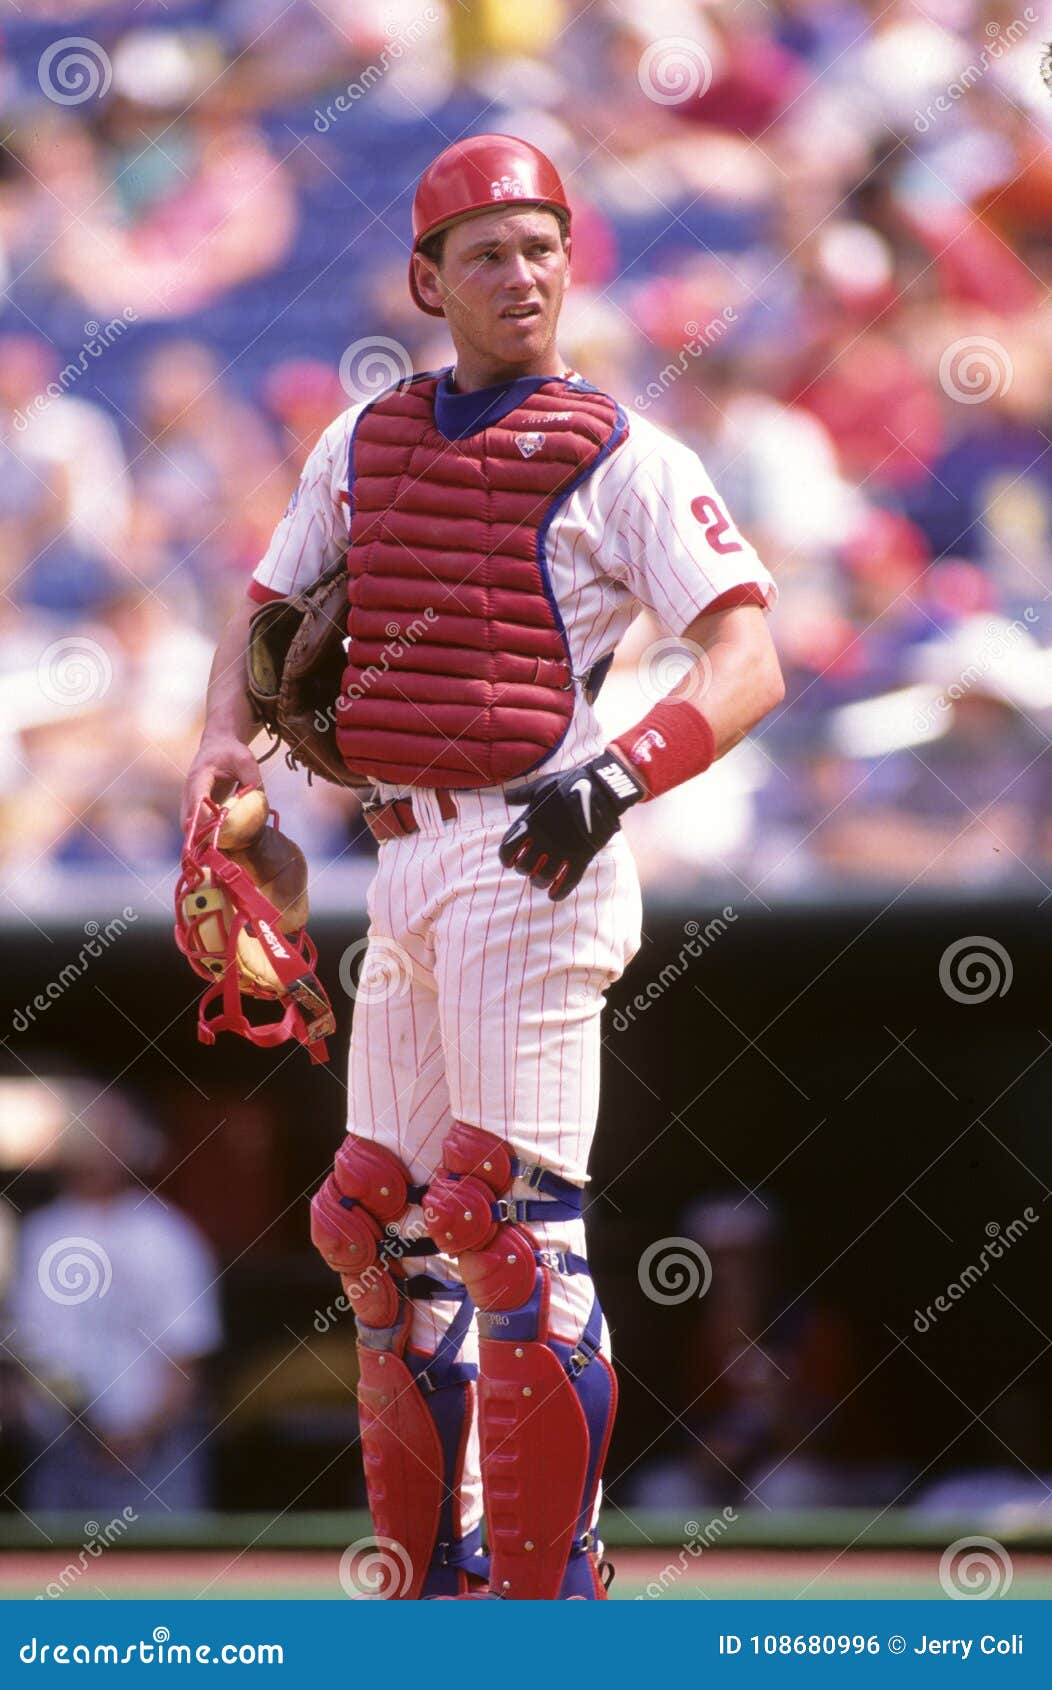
{"x":295,"y":670}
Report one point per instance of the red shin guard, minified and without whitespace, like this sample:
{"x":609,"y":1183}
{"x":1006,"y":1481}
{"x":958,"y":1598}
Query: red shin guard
{"x":546,"y":1407}
{"x":416,"y":1411}
{"x":402,"y":1453}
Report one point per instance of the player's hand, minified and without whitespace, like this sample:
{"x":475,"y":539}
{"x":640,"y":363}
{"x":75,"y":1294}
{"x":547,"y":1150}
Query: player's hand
{"x":222,"y":765}
{"x":567,"y":819}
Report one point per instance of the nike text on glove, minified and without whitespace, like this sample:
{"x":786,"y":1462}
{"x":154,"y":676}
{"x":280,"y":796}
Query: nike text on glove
{"x":567,"y":819}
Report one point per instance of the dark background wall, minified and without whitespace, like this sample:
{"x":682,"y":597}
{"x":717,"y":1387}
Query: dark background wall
{"x":809,"y":1054}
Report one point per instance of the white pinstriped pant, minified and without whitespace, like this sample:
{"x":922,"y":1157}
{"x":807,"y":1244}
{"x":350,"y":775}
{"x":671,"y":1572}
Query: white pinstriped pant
{"x":479,"y":1000}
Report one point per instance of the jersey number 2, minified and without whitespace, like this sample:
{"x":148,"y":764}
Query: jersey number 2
{"x":715,"y":523}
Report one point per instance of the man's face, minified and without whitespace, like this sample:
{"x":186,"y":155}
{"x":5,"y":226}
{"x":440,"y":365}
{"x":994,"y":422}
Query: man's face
{"x":501,"y":283}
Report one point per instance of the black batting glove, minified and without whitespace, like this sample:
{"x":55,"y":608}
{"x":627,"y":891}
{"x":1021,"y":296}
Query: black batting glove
{"x":567,"y":819}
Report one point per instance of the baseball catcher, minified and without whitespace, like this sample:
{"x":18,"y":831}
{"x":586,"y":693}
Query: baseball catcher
{"x":436,"y":612}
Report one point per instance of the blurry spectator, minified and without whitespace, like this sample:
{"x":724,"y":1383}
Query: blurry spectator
{"x":1008,"y":1490}
{"x":63,"y":484}
{"x":966,"y":798}
{"x":113,"y":1309}
{"x":767,"y":1375}
{"x":208,"y":467}
{"x":218,"y":212}
{"x":847,"y":328}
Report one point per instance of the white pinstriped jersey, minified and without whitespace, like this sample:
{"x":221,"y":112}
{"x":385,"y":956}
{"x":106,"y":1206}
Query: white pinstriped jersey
{"x":479,"y":998}
{"x":647,"y":530}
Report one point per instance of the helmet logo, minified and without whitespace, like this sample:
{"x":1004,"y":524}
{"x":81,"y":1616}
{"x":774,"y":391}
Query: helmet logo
{"x":508,"y":188}
{"x":529,"y":443}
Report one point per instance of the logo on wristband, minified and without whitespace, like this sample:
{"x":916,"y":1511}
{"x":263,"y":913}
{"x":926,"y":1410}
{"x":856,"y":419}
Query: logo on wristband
{"x":647,"y":743}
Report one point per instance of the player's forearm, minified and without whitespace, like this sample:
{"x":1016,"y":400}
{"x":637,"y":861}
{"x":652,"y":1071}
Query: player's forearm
{"x":228,"y":712}
{"x":734,"y":680}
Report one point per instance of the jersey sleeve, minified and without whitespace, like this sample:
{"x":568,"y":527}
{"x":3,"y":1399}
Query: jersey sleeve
{"x":314,"y":530}
{"x":672,"y":541}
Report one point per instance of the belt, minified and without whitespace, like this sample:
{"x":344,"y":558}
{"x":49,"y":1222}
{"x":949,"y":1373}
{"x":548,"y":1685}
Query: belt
{"x":395,"y":819}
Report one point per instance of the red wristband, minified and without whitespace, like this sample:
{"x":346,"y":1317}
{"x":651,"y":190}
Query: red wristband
{"x":672,"y":743}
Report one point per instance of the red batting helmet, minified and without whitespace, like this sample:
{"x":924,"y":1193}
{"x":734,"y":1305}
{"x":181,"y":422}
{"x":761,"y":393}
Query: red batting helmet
{"x":476,"y":175}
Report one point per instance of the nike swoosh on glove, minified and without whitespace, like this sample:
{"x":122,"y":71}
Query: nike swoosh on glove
{"x":567,"y":819}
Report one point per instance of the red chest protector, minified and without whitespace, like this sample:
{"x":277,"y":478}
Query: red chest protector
{"x":458,"y":670}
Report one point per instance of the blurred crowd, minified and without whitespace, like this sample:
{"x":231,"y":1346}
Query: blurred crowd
{"x":812,"y":237}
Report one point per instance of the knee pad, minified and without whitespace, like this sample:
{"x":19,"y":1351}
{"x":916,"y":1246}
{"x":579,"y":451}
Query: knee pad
{"x":414,"y":1410}
{"x":546,"y":1408}
{"x":354,"y":1217}
{"x":465,"y":1213}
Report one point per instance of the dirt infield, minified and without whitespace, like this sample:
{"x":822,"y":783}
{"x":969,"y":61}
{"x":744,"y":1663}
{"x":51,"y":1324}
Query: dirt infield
{"x":658,"y":1575}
